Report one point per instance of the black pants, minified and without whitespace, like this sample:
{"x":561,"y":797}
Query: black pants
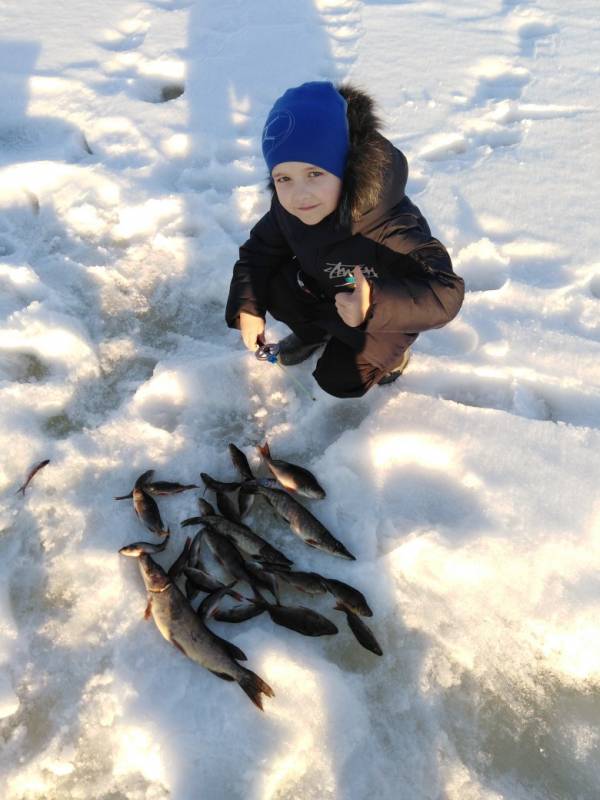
{"x":340,"y":371}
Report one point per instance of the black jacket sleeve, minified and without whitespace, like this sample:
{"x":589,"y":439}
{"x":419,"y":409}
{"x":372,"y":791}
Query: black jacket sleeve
{"x":264,"y":252}
{"x":420,"y":290}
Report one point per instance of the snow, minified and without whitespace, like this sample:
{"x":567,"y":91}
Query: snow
{"x":130,"y":172}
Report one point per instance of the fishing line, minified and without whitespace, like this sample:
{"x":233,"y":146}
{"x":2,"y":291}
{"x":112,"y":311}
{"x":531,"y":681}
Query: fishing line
{"x":270,"y":353}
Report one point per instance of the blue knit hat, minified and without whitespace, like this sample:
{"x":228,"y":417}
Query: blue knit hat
{"x":308,"y":123}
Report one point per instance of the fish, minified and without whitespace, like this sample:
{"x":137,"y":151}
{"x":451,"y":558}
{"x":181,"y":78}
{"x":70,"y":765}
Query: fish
{"x":147,"y":509}
{"x":292,"y":477}
{"x":228,"y":505}
{"x":349,"y":596}
{"x":177,"y":566}
{"x":140,"y":483}
{"x":245,"y":502}
{"x":180,"y":625}
{"x":219,"y":486}
{"x":244,"y":538}
{"x":209,"y":605}
{"x":158,"y":488}
{"x":202,"y":579}
{"x":240,"y":462}
{"x":136,"y":549}
{"x":302,"y":620}
{"x":239,"y":613}
{"x":303,"y":523}
{"x":364,"y":635}
{"x":30,"y":475}
{"x":307,"y":582}
{"x":263,"y":578}
{"x":227,"y":555}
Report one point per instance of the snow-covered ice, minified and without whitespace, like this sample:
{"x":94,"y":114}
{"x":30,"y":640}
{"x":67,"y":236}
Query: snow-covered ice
{"x":130,"y":172}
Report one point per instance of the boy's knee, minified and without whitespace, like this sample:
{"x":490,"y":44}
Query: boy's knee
{"x":344,"y":386}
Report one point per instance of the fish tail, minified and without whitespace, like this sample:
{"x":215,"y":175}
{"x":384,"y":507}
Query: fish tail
{"x":254,"y":687}
{"x":264,"y":450}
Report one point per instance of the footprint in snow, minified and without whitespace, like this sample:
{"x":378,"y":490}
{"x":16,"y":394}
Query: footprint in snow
{"x":129,"y":35}
{"x":529,"y":25}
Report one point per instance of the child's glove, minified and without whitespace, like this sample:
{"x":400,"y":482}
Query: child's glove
{"x":353,"y":306}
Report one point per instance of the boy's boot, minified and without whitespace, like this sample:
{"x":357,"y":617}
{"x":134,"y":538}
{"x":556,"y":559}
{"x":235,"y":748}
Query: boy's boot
{"x":292,"y":350}
{"x":395,"y":373}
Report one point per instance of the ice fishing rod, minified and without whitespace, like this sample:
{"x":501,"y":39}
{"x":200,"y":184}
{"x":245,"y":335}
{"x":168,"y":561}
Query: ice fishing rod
{"x":270,"y":353}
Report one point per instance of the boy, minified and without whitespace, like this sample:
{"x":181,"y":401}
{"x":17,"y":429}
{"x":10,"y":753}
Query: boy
{"x":342,"y":257}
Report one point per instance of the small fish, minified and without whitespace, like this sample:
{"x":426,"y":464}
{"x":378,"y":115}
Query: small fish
{"x":219,"y":486}
{"x":292,"y":477}
{"x":180,"y":625}
{"x":349,"y":596}
{"x":228,"y":505}
{"x":302,"y":620}
{"x":263,"y":578}
{"x":244,"y":538}
{"x":177,"y":566}
{"x":140,"y":483}
{"x":209,"y":605}
{"x":364,"y":635}
{"x":143,"y":548}
{"x":202,"y":579}
{"x":32,"y":472}
{"x":303,"y":523}
{"x":227,"y":555}
{"x":245,"y":502}
{"x":239,"y":613}
{"x":307,"y":582}
{"x":147,"y":510}
{"x":158,"y":488}
{"x":240,"y":462}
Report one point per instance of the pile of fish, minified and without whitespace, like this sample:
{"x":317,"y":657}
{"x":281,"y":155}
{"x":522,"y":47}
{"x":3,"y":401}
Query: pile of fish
{"x":241,"y":557}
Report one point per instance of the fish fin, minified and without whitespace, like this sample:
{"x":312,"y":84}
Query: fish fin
{"x":254,"y":687}
{"x":178,"y":646}
{"x":124,"y":496}
{"x":221,"y":675}
{"x":148,"y":609}
{"x":234,"y":651}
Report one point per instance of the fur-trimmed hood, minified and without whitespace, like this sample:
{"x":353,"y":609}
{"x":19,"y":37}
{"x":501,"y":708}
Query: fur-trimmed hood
{"x":375,"y":173}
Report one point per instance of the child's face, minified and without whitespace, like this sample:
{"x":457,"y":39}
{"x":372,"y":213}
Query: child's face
{"x":308,"y":192}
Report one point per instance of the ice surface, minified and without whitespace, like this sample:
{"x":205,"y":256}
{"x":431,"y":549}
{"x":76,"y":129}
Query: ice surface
{"x":130,"y":172}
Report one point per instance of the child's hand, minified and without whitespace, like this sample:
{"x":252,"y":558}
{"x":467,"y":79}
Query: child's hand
{"x":252,"y":329}
{"x":353,"y":307}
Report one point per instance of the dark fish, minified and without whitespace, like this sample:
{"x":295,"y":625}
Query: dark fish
{"x":202,"y":579}
{"x":194,"y":558}
{"x":349,"y":596}
{"x":166,"y":487}
{"x":263,"y":578}
{"x":239,"y":613}
{"x":219,"y":486}
{"x":177,"y":566}
{"x":303,"y":523}
{"x":192,"y":521}
{"x":147,"y":548}
{"x":209,"y":605}
{"x":245,"y":502}
{"x":180,"y":625}
{"x":240,"y":462}
{"x":140,"y":483}
{"x":205,"y":507}
{"x":244,"y":538}
{"x":227,"y":555}
{"x":308,"y":582}
{"x":228,"y":505}
{"x":147,"y":511}
{"x":291,"y":476}
{"x":32,"y":472}
{"x":362,"y":632}
{"x":302,"y":620}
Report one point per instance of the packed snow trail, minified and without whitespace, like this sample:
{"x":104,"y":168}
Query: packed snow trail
{"x":130,"y":172}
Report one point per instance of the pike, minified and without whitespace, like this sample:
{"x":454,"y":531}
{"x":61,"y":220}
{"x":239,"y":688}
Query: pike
{"x":303,"y":523}
{"x":180,"y":625}
{"x":291,"y":476}
{"x":364,"y":635}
